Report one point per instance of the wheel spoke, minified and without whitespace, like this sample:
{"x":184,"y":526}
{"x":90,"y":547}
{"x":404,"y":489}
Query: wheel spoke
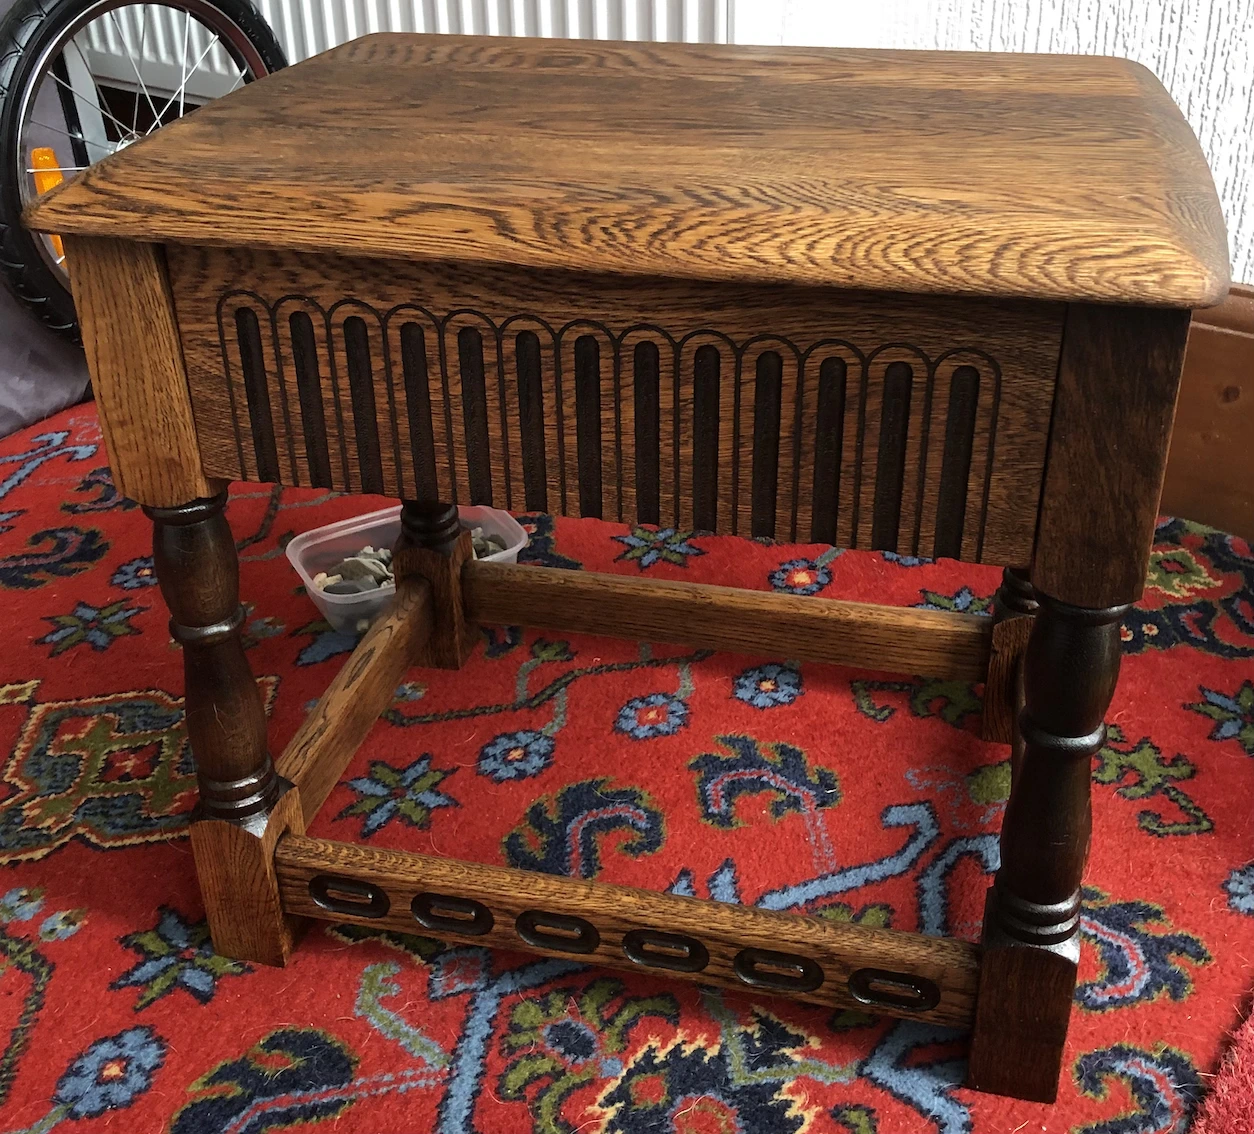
{"x":100,"y":98}
{"x":143,"y":40}
{"x":126,"y":49}
{"x":134,"y":67}
{"x":187,"y":38}
{"x":57,"y":129}
{"x":178,"y":94}
{"x":101,"y":107}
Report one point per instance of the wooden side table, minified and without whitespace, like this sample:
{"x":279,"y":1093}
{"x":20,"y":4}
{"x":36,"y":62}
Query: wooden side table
{"x":930,"y":303}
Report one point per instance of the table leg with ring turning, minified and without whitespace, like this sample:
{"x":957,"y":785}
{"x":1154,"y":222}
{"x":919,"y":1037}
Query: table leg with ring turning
{"x":244,"y":805}
{"x":1031,"y":943}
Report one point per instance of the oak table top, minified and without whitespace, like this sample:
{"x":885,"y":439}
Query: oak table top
{"x":1042,"y":177}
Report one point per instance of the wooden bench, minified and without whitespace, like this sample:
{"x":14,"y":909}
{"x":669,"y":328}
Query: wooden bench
{"x":928,"y":303}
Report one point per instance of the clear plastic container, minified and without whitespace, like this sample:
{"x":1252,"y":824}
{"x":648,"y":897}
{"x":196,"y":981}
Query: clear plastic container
{"x":322,"y":548}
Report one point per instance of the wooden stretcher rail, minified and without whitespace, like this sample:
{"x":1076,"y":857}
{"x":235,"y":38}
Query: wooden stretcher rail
{"x":896,"y":639}
{"x":365,"y":685}
{"x":803,"y":958}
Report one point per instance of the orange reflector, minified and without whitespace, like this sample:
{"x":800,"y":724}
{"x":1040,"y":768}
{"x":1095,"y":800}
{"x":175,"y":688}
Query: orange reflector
{"x":43,"y":160}
{"x":48,"y":175}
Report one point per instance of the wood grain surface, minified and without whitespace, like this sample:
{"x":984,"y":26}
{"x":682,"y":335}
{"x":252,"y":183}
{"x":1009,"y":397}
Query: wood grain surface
{"x":1194,"y":46}
{"x":1117,"y":384}
{"x":453,"y":633}
{"x":895,"y":639}
{"x":1021,"y":1023}
{"x":1003,"y":687}
{"x":235,"y":868}
{"x":1040,"y":176}
{"x":363,"y":687}
{"x":136,"y":364}
{"x":614,"y":911}
{"x":580,"y":395}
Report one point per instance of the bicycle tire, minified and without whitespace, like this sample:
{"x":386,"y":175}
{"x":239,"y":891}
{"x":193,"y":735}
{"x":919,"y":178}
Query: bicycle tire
{"x":26,"y":32}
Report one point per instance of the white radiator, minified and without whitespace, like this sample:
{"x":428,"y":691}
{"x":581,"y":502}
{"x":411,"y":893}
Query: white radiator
{"x":305,"y":27}
{"x":159,"y":36}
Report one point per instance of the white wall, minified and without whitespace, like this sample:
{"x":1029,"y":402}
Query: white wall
{"x":1202,"y":50}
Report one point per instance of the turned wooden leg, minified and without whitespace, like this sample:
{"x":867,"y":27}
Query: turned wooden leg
{"x":244,"y":806}
{"x":1014,"y":606}
{"x":432,"y":546}
{"x":1032,"y":915}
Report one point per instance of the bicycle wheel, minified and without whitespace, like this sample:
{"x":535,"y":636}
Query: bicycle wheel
{"x":80,"y":79}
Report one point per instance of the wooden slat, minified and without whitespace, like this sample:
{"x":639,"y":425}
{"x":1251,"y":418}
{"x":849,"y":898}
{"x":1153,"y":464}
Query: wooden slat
{"x":365,"y":685}
{"x":309,"y":457}
{"x":677,"y":449}
{"x":468,"y":446}
{"x":896,"y":639}
{"x":136,"y":363}
{"x":633,"y":454}
{"x":614,"y":911}
{"x":803,"y":425}
{"x":443,"y":413}
{"x":558,"y":430}
{"x":1006,"y":481}
{"x":786,"y":456}
{"x":580,"y":452}
{"x":823,"y":433}
{"x":853,"y":454}
{"x":932,"y":457}
{"x":530,"y":378}
{"x":238,"y":399}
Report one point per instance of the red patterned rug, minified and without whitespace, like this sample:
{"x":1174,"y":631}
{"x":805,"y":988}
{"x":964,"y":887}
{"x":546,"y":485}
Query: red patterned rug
{"x":853,"y":796}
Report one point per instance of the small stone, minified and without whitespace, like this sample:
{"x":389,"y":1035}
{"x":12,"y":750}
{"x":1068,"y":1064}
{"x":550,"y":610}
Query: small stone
{"x":489,"y":544}
{"x":357,"y":567}
{"x":352,"y":587}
